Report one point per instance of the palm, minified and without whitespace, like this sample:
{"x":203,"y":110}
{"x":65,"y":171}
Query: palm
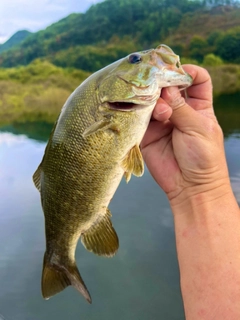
{"x":159,"y":155}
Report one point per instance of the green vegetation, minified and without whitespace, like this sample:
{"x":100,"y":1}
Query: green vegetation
{"x":110,"y":29}
{"x":39,"y":71}
{"x":37,"y":91}
{"x":225,"y":78}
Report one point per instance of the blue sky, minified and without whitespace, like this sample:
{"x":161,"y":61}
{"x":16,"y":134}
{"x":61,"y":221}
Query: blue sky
{"x":35,"y":15}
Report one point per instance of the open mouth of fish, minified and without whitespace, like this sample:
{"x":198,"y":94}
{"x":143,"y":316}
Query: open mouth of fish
{"x":143,"y":101}
{"x":123,"y":106}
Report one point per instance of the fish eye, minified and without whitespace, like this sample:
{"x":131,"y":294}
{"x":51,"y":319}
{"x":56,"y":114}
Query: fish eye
{"x":134,"y":58}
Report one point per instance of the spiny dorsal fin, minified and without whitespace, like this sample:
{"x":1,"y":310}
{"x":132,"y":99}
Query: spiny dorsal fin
{"x":56,"y":278}
{"x":133,"y":163}
{"x":37,"y":177}
{"x":101,"y":238}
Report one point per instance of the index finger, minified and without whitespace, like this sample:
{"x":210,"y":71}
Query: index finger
{"x":201,"y":88}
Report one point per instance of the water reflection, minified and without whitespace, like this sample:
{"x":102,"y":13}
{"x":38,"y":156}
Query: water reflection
{"x":227,"y":109}
{"x":232,"y":148}
{"x":140,"y":282}
{"x":37,"y":130}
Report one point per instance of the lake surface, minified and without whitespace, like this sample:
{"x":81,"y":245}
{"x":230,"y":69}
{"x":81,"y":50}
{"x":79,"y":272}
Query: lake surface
{"x":140,"y":283}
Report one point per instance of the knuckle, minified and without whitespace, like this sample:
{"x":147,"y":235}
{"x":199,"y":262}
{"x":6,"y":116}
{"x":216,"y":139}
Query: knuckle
{"x":215,"y":130}
{"x":178,"y":102}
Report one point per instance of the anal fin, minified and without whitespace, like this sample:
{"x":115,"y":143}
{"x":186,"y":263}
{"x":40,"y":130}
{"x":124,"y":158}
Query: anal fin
{"x":133,"y":163}
{"x":56,"y":278}
{"x":101,"y":238}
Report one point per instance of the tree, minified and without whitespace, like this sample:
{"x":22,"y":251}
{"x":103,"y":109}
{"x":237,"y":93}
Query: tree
{"x":228,"y":45}
{"x":197,"y":47}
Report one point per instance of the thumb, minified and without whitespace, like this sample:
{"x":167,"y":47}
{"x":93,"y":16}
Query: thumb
{"x":184,"y":117}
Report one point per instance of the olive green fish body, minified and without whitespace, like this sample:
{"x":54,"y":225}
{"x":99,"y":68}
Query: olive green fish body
{"x":93,"y":144}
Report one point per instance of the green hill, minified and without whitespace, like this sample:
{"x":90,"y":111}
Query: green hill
{"x":112,"y":29}
{"x":15,"y":40}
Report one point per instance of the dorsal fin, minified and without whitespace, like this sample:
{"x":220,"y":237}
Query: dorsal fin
{"x":37,"y":177}
{"x":37,"y":173}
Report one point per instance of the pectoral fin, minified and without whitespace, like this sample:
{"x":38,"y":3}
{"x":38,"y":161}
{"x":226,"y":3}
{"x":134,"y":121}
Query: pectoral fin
{"x":101,"y":238}
{"x":133,"y":163}
{"x":101,"y":125}
{"x":95,"y":127}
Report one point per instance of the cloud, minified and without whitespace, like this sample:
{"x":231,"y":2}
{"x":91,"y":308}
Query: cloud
{"x":31,"y":15}
{"x":10,"y":139}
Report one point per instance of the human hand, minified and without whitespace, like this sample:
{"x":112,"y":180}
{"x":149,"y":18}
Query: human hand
{"x":183,"y":146}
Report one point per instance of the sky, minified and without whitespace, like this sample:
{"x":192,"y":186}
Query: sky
{"x":34,"y":15}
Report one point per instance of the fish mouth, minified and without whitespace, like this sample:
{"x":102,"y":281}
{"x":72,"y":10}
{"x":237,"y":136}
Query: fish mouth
{"x":140,"y":102}
{"x":147,"y":96}
{"x":133,"y":105}
{"x":124,"y":106}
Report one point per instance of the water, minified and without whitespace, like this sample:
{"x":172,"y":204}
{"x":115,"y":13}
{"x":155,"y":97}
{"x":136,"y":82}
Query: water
{"x":140,"y":282}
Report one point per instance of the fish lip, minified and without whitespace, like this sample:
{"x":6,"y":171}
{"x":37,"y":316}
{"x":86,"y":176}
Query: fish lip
{"x":142,"y":98}
{"x":163,"y":74}
{"x":183,"y":87}
{"x":175,"y":79}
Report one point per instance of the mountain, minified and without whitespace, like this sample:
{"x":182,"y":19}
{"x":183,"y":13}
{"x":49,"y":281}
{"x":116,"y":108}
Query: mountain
{"x":15,"y":40}
{"x":111,"y":29}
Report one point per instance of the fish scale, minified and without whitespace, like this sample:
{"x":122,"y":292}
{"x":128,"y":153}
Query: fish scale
{"x":94,"y":142}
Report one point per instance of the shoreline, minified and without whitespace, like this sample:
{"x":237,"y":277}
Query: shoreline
{"x":39,"y":96}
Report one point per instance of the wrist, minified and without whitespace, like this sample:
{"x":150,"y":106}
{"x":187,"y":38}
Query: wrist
{"x":194,"y":198}
{"x":207,"y":223}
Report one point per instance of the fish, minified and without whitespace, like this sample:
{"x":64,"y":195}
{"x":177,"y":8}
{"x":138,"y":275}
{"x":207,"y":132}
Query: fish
{"x":94,"y":143}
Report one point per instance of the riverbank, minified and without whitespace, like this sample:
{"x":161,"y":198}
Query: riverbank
{"x":39,"y":90}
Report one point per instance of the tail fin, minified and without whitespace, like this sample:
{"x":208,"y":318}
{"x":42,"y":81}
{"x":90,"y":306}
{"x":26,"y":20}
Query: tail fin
{"x":56,"y":278}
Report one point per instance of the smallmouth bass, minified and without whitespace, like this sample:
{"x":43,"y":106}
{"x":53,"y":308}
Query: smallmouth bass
{"x":94,"y":142}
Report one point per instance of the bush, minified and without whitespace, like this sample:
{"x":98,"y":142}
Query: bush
{"x":225,"y":78}
{"x":212,"y":60}
{"x":37,"y":91}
